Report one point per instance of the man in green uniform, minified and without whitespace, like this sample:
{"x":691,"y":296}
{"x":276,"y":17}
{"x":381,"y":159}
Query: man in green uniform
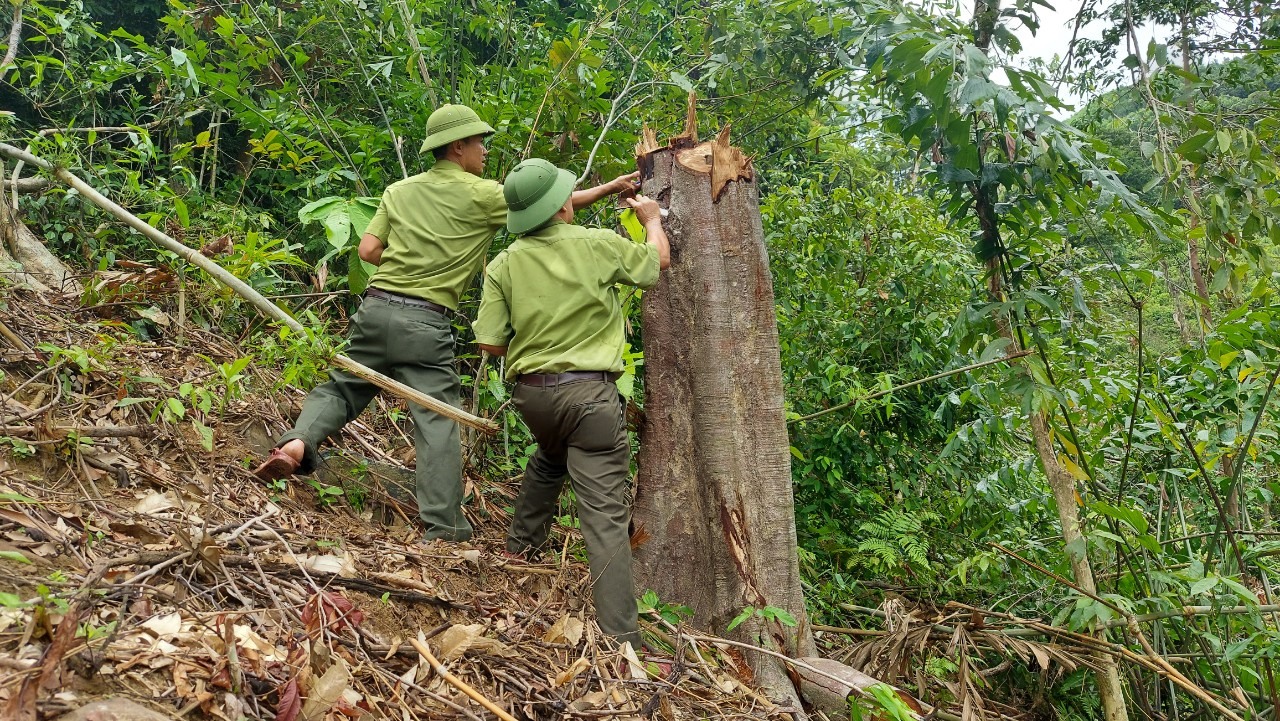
{"x":429,"y":238}
{"x":550,"y":304}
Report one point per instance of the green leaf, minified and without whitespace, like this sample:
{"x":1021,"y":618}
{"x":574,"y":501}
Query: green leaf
{"x":1129,"y":516}
{"x":780,"y":615}
{"x":361,"y":212}
{"x":891,"y":703}
{"x":337,"y":228}
{"x":175,"y":407}
{"x":126,"y":402}
{"x":747,"y":612}
{"x":1076,"y":549}
{"x":8,"y":496}
{"x":994,"y":349}
{"x":1244,"y":594}
{"x":1045,"y":301}
{"x":206,"y":434}
{"x":14,"y":556}
{"x":631,"y":223}
{"x":319,"y":209}
{"x":184,"y":219}
{"x":359,"y":272}
{"x":1195,"y":142}
{"x":1150,"y":543}
{"x":9,"y":600}
{"x":1203,"y":585}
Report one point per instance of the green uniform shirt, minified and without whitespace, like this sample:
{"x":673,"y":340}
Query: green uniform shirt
{"x":435,"y":230}
{"x":552,"y":298}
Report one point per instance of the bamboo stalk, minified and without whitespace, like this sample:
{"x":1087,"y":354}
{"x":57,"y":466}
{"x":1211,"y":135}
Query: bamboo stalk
{"x":459,"y":683}
{"x":263,"y":305}
{"x":912,"y":384}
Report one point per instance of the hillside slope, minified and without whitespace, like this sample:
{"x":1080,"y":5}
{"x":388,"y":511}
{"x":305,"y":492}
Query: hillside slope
{"x":142,"y":560}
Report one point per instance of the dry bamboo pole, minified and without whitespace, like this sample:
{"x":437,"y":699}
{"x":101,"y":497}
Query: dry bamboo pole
{"x":459,"y":683}
{"x":912,"y":384}
{"x":265,"y":306}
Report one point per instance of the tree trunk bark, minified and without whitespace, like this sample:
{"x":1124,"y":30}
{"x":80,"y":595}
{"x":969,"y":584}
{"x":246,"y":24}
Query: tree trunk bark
{"x":1063,"y":486}
{"x":713,"y":514}
{"x":1175,"y":299}
{"x":1202,"y":288}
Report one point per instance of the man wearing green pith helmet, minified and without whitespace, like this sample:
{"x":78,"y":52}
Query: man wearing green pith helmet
{"x":550,"y":305}
{"x":429,"y":239}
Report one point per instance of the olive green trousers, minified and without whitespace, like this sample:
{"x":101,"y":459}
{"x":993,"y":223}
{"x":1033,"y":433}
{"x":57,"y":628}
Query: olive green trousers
{"x":414,"y":346}
{"x":581,"y":434}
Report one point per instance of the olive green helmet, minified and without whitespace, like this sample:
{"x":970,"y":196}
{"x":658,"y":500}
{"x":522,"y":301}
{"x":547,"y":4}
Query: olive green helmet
{"x":535,"y":191}
{"x":453,"y":122}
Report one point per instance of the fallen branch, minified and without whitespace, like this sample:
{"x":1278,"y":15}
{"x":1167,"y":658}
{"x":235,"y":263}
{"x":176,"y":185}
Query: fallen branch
{"x":15,"y":35}
{"x":27,"y":186}
{"x":83,"y":431}
{"x":912,"y":384}
{"x":265,"y":306}
{"x":15,"y":183}
{"x":1191,"y":611}
{"x":798,"y":665}
{"x":13,"y":338}
{"x":459,"y":683}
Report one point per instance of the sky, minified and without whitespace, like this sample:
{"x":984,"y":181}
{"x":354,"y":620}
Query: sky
{"x":1057,"y":25}
{"x":1054,"y":35}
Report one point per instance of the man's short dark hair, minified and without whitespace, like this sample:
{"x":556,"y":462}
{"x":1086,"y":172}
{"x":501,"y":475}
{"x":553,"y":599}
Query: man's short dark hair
{"x":441,"y":151}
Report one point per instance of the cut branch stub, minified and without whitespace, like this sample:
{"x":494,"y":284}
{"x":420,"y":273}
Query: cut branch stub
{"x":716,"y":158}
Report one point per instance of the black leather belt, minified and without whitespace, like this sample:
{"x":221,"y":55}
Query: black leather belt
{"x":406,"y":300}
{"x":558,"y":379}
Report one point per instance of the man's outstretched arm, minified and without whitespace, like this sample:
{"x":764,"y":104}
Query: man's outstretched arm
{"x":620,"y":184}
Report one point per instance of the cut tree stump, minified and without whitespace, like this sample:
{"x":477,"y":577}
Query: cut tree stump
{"x":713,"y":516}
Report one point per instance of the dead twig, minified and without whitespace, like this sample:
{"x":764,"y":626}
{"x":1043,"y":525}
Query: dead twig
{"x":459,"y":683}
{"x":83,"y":431}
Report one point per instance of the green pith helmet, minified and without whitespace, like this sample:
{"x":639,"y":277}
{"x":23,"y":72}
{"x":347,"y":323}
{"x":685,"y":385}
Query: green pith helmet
{"x":453,"y":122}
{"x":535,"y":192}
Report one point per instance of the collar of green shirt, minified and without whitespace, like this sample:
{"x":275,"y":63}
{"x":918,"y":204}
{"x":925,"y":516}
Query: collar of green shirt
{"x":548,"y":231}
{"x":446,"y":166}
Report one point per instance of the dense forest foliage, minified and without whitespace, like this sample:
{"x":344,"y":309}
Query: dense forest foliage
{"x":928,"y":206}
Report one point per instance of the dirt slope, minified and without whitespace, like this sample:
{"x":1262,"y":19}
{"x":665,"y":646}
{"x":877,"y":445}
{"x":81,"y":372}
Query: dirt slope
{"x":140,"y":559}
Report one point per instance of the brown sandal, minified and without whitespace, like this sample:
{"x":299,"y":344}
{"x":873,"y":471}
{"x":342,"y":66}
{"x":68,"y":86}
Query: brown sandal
{"x":278,"y":465}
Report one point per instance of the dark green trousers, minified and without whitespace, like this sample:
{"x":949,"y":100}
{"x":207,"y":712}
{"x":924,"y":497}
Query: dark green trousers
{"x":581,"y":434}
{"x":415,"y":347}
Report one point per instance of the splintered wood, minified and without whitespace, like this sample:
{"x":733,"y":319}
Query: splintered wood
{"x":717,"y":158}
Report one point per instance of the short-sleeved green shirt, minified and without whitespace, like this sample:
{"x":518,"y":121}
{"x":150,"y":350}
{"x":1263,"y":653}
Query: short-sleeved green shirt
{"x":552,"y":298}
{"x":435,"y":229}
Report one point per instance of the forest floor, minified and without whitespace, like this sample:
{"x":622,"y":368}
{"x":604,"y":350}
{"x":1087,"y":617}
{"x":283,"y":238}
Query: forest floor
{"x":141,"y":559}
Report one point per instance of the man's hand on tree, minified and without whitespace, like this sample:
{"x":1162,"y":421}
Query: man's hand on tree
{"x":624,"y":184}
{"x":647,"y":209}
